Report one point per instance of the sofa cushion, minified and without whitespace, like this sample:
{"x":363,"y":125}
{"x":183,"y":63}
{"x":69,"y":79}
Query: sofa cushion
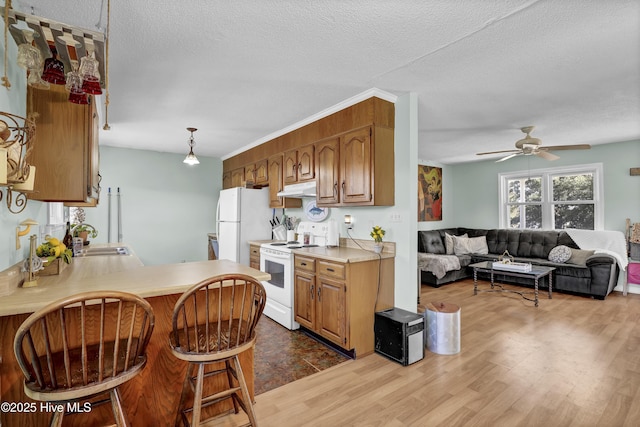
{"x":560,"y":254}
{"x":432,"y":242}
{"x":449,"y":242}
{"x":579,"y":256}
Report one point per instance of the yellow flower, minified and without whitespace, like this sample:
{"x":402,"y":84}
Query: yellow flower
{"x":377,"y":233}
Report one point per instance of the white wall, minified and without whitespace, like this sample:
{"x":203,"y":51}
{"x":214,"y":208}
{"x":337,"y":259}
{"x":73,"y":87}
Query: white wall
{"x":167,"y":207}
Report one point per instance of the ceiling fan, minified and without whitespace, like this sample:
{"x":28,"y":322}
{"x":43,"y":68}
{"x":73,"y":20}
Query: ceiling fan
{"x":529,"y":145}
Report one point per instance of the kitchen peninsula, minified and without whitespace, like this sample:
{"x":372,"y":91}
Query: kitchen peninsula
{"x":152,"y":398}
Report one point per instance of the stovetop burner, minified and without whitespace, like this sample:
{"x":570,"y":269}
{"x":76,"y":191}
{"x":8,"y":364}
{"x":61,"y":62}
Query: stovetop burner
{"x":278,"y":244}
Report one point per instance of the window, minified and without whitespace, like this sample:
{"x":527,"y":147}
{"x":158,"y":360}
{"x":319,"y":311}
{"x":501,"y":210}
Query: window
{"x":554,"y":198}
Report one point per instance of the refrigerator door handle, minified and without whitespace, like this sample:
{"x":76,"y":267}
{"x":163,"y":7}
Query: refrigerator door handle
{"x":218,"y":220}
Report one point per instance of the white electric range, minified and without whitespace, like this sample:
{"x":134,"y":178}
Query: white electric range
{"x":276,"y":258}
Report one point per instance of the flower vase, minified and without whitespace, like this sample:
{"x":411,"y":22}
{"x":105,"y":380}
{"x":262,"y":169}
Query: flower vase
{"x":377,"y":247}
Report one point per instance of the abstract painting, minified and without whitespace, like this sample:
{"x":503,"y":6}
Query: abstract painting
{"x":429,"y":193}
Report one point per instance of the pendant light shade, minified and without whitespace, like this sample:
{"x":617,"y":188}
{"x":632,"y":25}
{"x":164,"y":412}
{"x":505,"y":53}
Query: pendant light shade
{"x":191,"y":158}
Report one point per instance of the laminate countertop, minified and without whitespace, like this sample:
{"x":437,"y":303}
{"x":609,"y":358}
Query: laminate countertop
{"x":120,"y":273}
{"x":344,"y":254}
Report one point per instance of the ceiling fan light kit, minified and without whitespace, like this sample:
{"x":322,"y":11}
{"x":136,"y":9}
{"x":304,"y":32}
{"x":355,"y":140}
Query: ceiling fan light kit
{"x":528,"y":146}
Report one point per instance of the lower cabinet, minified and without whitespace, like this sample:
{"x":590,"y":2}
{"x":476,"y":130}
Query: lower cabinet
{"x":254,"y":256}
{"x":337,"y":300}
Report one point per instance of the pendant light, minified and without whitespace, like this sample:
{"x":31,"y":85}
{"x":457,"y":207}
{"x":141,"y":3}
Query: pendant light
{"x":191,"y":158}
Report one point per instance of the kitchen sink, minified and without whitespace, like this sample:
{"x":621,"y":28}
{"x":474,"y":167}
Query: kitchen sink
{"x":118,"y":250}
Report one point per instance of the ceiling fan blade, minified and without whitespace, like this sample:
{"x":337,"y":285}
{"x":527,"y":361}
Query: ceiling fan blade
{"x":545,"y":155}
{"x":566,"y":147}
{"x":507,"y":157}
{"x":498,"y":152}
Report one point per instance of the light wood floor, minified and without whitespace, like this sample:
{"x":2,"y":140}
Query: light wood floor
{"x":573,"y":361}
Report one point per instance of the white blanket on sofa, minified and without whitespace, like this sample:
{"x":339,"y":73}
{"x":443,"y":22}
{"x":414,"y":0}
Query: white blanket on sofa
{"x":608,"y":242}
{"x":437,"y":264}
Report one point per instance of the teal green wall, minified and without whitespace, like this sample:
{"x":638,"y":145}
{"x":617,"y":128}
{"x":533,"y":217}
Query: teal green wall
{"x":167,"y":207}
{"x":475,"y":200}
{"x":13,"y":101}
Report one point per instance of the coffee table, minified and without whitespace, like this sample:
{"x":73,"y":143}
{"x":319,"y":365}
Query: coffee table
{"x":536,"y":273}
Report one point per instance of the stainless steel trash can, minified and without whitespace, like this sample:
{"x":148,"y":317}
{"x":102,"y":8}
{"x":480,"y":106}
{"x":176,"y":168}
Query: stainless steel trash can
{"x":443,"y":328}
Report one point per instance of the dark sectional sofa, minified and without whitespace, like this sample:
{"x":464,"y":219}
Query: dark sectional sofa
{"x":596,"y":277}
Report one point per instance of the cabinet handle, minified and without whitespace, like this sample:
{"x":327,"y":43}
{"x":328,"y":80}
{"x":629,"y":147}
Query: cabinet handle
{"x":299,"y":166}
{"x":312,"y":286}
{"x":342,"y":187}
{"x":295,"y":166}
{"x":303,"y":263}
{"x":319,"y":289}
{"x":335,"y":188}
{"x":331,"y":270}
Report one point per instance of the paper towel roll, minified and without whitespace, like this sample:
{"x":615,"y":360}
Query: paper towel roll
{"x":443,"y":328}
{"x":333,"y":238}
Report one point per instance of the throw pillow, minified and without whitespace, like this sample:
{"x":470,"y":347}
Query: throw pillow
{"x":478,"y":245}
{"x":461,"y":245}
{"x":448,"y":242}
{"x":579,"y":256}
{"x":560,"y":254}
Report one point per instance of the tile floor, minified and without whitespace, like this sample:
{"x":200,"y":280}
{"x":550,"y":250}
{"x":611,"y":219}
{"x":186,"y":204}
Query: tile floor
{"x":282,"y":356}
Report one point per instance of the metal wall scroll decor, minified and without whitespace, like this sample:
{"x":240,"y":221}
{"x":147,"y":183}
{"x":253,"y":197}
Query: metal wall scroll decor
{"x":16,"y":175}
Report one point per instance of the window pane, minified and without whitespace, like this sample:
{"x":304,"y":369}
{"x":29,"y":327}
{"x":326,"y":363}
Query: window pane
{"x":532,"y":216}
{"x":532,"y":189}
{"x":574,"y":216}
{"x":573,"y":187}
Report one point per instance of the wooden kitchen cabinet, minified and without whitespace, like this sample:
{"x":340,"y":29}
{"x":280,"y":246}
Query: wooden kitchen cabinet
{"x":237,"y":177}
{"x":66,"y":152}
{"x":254,"y":256}
{"x":257,"y":173}
{"x":356,"y":168}
{"x":276,"y":184}
{"x":337,"y":300}
{"x":299,"y":165}
{"x":226,"y":180}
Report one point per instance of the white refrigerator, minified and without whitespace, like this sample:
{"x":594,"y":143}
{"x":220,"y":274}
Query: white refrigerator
{"x":243,"y":214}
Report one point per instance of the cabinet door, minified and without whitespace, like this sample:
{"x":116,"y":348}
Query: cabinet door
{"x":237,"y":177}
{"x":306,"y":169}
{"x":62,"y":151}
{"x":249,"y":173}
{"x":331,"y":313}
{"x":304,"y":299}
{"x":226,"y":180}
{"x":355,"y":166}
{"x":261,"y":174}
{"x":275,"y":181}
{"x":327,"y":169}
{"x":290,"y":166}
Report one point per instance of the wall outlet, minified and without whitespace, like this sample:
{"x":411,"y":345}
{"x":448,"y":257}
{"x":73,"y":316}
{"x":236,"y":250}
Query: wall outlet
{"x":396,"y":217}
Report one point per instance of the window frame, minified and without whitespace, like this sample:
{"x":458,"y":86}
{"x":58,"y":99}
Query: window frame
{"x":547,"y":202}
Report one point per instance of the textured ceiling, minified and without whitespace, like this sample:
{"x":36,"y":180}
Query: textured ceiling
{"x":241,"y":70}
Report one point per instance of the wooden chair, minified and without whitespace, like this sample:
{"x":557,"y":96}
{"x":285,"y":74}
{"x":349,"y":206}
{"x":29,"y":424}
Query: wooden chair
{"x":214,"y":322}
{"x":84,"y":346}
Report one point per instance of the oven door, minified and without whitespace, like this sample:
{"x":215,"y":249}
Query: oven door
{"x":280,"y":287}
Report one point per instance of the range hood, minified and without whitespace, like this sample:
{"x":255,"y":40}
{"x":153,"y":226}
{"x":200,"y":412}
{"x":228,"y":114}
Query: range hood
{"x":304,"y":189}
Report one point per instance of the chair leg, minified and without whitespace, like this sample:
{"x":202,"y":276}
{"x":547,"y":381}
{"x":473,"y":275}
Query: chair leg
{"x":116,"y":405}
{"x":245,"y":392}
{"x":230,"y":376}
{"x":186,"y":385}
{"x":197,"y":398}
{"x":56,"y":419}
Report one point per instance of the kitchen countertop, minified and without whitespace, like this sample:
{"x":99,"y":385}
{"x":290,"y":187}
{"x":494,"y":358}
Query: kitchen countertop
{"x":120,"y":273}
{"x":344,"y":254}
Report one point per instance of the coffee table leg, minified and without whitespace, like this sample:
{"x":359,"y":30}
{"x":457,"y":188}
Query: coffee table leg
{"x":550,"y":285}
{"x":536,"y":291}
{"x":475,"y":281}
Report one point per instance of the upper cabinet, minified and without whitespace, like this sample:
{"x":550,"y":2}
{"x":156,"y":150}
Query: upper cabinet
{"x":299,"y":165}
{"x":356,"y":169}
{"x":276,"y":184}
{"x":350,"y":155}
{"x":257,"y":173}
{"x":66,"y":151}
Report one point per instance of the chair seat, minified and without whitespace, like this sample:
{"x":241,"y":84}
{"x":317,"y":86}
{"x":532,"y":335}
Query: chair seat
{"x":77,"y":388}
{"x":212,"y":344}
